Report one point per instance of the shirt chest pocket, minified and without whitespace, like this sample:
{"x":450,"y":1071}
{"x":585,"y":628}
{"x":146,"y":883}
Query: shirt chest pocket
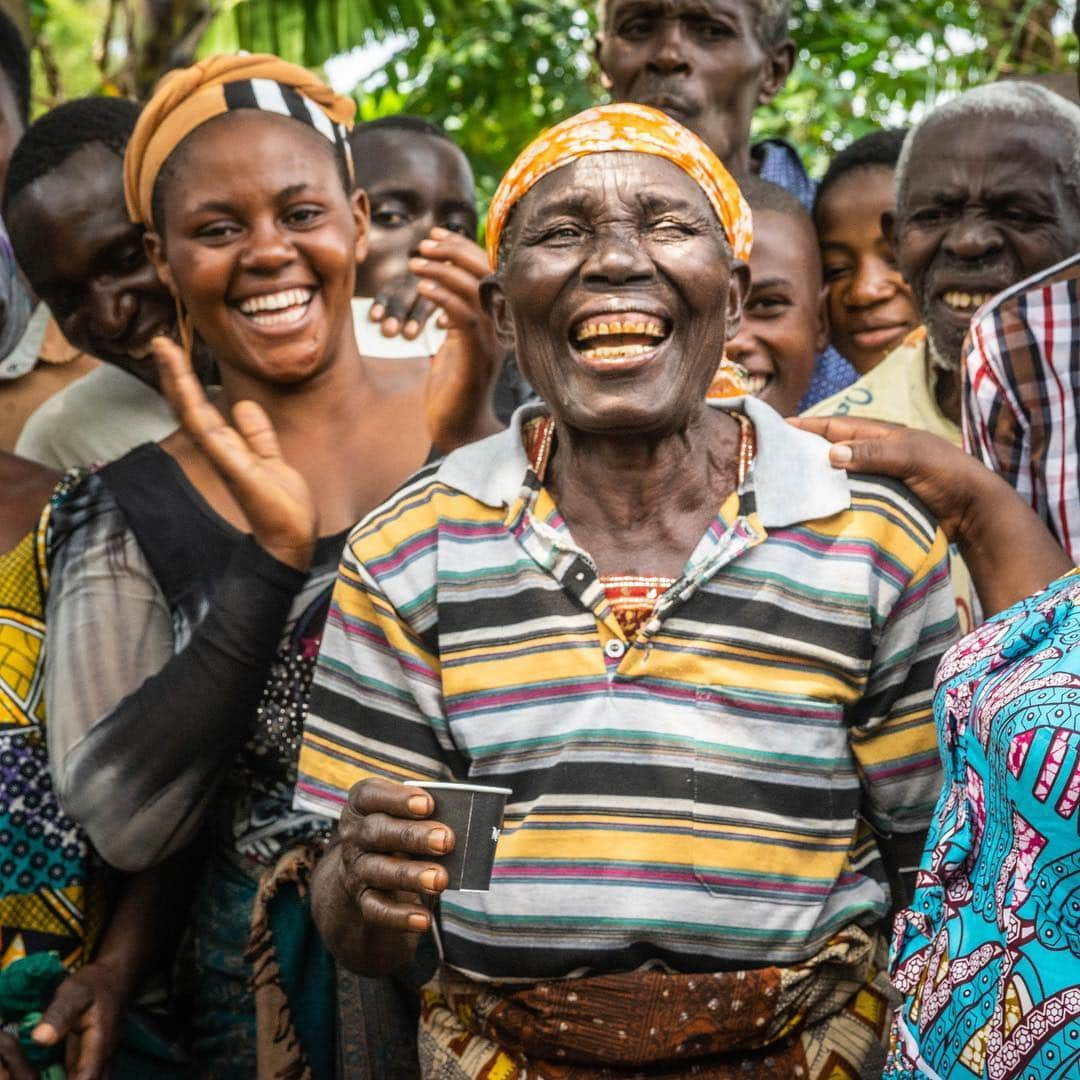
{"x":769,"y":794}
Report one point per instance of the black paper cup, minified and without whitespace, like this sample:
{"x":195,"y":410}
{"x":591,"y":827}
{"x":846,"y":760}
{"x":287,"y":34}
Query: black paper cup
{"x":475,"y":814}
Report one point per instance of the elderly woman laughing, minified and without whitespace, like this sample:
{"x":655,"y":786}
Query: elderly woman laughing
{"x":700,"y":657}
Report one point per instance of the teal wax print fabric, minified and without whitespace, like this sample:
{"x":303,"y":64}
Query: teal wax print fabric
{"x":988,"y":955}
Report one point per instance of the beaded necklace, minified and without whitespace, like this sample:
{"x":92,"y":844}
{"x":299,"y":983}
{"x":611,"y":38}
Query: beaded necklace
{"x":632,"y":597}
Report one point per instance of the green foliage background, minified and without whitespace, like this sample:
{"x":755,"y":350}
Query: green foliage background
{"x":497,"y":71}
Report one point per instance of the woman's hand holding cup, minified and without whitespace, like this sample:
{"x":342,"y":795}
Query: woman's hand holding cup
{"x":386,"y":841}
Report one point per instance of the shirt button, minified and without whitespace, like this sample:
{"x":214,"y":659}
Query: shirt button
{"x":614,"y":649}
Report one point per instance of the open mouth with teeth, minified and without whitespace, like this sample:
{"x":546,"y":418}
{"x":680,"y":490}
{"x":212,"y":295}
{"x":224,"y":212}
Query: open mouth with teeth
{"x":755,"y":384}
{"x":965,"y":302}
{"x":624,"y":337}
{"x":278,"y":308}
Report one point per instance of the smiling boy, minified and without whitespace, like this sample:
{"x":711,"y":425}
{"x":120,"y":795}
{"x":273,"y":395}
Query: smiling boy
{"x":783,"y":323}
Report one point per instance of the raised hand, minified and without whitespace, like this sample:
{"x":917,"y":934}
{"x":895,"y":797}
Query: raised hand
{"x":274,"y":497}
{"x":463,"y":373}
{"x":400,"y":307}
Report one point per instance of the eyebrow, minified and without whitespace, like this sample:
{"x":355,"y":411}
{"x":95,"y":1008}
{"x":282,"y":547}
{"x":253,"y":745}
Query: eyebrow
{"x":219,"y":206}
{"x":650,"y":200}
{"x":770,"y":282}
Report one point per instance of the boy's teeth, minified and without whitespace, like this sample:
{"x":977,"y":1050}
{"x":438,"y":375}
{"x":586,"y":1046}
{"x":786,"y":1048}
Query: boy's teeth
{"x":963,"y":301}
{"x":756,"y":383}
{"x":278,"y":301}
{"x":649,"y":327}
{"x":615,"y":352}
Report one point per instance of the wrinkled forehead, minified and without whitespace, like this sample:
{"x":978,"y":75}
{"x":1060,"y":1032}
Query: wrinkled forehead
{"x":985,"y":153}
{"x":754,"y":9}
{"x":618,"y":182}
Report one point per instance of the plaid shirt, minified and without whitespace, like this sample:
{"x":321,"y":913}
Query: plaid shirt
{"x":1022,"y":377}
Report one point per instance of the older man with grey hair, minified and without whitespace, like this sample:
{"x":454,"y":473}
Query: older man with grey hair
{"x":987,"y":195}
{"x":1022,"y":387}
{"x":709,"y":64}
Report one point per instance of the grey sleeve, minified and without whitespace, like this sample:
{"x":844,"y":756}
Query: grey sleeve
{"x":139,"y":735}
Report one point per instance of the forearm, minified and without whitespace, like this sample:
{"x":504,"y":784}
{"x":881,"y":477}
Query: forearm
{"x":1008,"y":550}
{"x":143,"y":925}
{"x":357,"y":946}
{"x":140,"y":779}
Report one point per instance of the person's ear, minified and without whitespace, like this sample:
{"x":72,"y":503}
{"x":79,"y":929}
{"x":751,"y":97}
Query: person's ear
{"x":824,"y":331}
{"x":496,"y":307}
{"x":361,"y":212}
{"x":598,"y":52}
{"x":778,"y":67}
{"x":738,"y":291}
{"x":155,"y":252}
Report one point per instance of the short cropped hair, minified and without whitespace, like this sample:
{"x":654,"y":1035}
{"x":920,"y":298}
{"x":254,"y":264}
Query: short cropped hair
{"x":878,"y":150}
{"x":771,"y":24}
{"x":1016,"y":100}
{"x":765,"y":195}
{"x":15,"y":64}
{"x":53,"y":138}
{"x":414,"y":125}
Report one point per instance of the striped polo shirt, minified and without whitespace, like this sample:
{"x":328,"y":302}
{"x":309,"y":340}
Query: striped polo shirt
{"x":700,"y":797}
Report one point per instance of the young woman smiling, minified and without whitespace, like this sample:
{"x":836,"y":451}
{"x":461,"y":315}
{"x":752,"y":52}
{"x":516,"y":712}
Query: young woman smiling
{"x":192,"y":577}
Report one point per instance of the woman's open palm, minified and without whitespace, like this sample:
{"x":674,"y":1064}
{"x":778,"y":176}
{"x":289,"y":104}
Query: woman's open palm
{"x":274,"y":497}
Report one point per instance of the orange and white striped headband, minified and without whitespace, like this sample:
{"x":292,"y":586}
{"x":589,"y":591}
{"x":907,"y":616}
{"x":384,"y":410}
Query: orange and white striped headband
{"x":624,"y":127}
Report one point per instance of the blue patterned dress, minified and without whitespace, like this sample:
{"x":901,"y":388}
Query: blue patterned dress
{"x":988,"y":955}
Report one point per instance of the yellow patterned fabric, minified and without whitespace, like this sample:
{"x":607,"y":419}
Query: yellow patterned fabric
{"x":624,"y":127}
{"x":46,"y":871}
{"x":22,"y":633}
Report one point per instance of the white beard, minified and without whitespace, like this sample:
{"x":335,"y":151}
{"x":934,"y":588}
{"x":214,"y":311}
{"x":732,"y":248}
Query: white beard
{"x":938,"y":360}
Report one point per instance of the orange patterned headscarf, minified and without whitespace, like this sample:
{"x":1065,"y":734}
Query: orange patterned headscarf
{"x":635,"y":128}
{"x":185,"y":99}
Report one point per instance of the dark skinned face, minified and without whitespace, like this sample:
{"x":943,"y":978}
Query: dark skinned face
{"x":11,"y":126}
{"x":871,"y":309}
{"x":414,"y":183}
{"x":85,"y":259}
{"x":783,"y":323}
{"x":260,"y":240}
{"x":986,"y":206}
{"x":700,"y":61}
{"x":618,"y":293}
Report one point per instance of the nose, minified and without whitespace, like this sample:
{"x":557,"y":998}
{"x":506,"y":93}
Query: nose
{"x":419,"y":230}
{"x":268,"y":248}
{"x":874,"y":280}
{"x":106,"y":313}
{"x":670,"y":56}
{"x":973,"y":237}
{"x":740,"y":348}
{"x":617,"y":260}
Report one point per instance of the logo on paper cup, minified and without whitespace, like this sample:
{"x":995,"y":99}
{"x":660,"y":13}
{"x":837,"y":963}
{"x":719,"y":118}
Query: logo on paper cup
{"x":494,"y":834}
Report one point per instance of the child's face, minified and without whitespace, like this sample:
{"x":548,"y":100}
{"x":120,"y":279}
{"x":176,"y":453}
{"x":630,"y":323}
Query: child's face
{"x":414,"y":183}
{"x":871,"y":308}
{"x":783,"y":323}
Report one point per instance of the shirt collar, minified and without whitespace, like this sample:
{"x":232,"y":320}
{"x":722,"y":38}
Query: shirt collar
{"x":792,"y":478}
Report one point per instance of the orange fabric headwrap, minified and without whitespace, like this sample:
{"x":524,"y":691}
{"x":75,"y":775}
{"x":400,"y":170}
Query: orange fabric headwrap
{"x":635,"y":128}
{"x":187,"y":98}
